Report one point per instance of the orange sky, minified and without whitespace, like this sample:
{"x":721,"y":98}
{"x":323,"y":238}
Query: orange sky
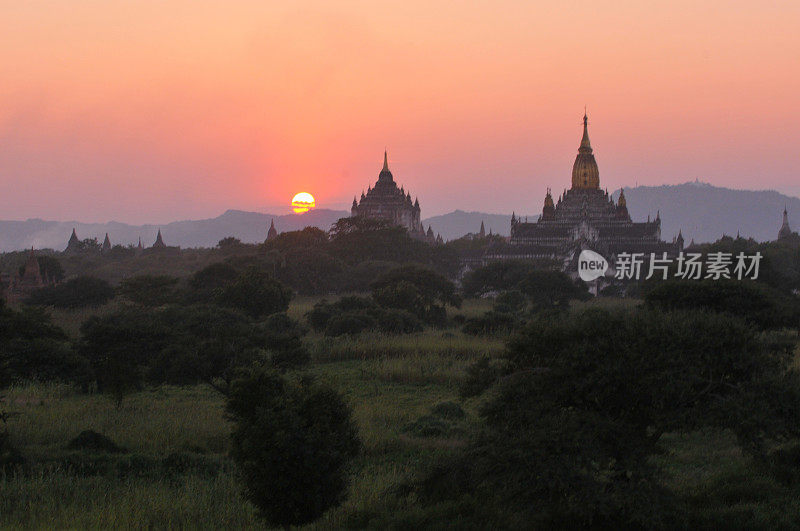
{"x":161,"y":110}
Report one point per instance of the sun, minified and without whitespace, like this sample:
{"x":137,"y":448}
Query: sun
{"x":303,"y":202}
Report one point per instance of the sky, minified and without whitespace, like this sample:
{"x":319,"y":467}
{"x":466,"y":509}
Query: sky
{"x":154,"y":111}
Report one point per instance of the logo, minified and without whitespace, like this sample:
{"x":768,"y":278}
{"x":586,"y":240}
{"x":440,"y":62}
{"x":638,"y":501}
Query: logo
{"x":591,"y":265}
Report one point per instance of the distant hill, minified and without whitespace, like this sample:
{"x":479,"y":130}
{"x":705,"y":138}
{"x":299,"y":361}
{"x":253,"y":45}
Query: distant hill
{"x":249,"y":227}
{"x":702,"y":211}
{"x":705,"y":212}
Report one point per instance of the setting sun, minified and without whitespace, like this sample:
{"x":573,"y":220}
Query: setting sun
{"x":303,"y":202}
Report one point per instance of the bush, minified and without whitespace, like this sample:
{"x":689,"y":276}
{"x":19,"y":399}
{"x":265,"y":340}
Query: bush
{"x":283,"y":339}
{"x":757,"y":303}
{"x":349,"y":323}
{"x":489,"y":323}
{"x":416,"y":290}
{"x":79,"y":292}
{"x":95,"y":442}
{"x":580,"y":402}
{"x":292,"y":441}
{"x":397,"y":322}
{"x":35,"y":349}
{"x":149,"y":290}
{"x":255,"y":293}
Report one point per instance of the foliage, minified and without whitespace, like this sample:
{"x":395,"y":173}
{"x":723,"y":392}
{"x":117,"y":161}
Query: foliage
{"x":755,"y":302}
{"x":78,"y":292}
{"x":416,"y":290}
{"x":214,"y":276}
{"x":352,"y":315}
{"x":149,"y":290}
{"x":185,"y":345}
{"x":490,"y":323}
{"x":512,"y":302}
{"x":309,"y":237}
{"x":586,"y":399}
{"x":33,"y":348}
{"x":552,"y":289}
{"x":292,"y":441}
{"x":255,"y":293}
{"x":311,"y":271}
{"x":358,"y":239}
{"x":498,"y":276}
{"x":349,"y":323}
{"x":50,"y":267}
{"x":284,"y":344}
{"x":95,"y":442}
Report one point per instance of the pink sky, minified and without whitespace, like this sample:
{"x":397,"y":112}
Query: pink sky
{"x":152,"y":111}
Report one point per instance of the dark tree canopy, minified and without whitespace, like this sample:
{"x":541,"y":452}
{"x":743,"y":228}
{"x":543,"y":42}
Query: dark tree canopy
{"x":583,"y":400}
{"x":417,"y":290}
{"x":78,"y":292}
{"x":255,"y":293}
{"x":292,"y":441}
{"x":552,"y":289}
{"x":755,"y":302}
{"x":33,"y":348}
{"x":498,"y":276}
{"x":149,"y":290}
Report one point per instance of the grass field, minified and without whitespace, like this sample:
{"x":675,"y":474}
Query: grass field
{"x":175,"y":473}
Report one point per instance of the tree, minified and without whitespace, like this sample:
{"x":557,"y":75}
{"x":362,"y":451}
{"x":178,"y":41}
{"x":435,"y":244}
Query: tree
{"x":552,"y":289}
{"x":255,"y":293}
{"x":120,"y":346}
{"x":583,"y":400}
{"x":498,"y":276}
{"x":309,"y":237}
{"x":292,"y":441}
{"x":78,"y":292}
{"x":33,"y":348}
{"x":184,"y":345}
{"x":149,"y":290}
{"x":417,"y":290}
{"x":755,"y":302}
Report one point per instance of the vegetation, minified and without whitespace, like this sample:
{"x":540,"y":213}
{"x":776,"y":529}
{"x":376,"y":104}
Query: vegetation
{"x":78,"y":292}
{"x":187,"y":401}
{"x":292,"y":440}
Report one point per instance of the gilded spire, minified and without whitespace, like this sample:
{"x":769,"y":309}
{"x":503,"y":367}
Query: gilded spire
{"x":586,"y":146}
{"x":585,"y":174}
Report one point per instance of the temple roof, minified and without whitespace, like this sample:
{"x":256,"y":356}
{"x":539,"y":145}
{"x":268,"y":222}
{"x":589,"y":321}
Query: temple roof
{"x":585,"y":173}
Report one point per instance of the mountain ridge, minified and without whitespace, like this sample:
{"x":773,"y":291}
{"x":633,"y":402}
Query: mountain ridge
{"x":702,"y":212}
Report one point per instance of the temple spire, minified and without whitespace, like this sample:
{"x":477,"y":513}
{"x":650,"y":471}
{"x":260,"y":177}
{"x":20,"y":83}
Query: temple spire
{"x":385,"y":161}
{"x":585,"y":144}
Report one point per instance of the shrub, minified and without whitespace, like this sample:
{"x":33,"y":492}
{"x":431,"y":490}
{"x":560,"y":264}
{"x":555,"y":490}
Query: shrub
{"x":416,"y":290}
{"x":255,"y":293}
{"x":349,"y":323}
{"x":492,"y":322}
{"x":95,"y":442}
{"x":759,"y":304}
{"x":292,"y":441}
{"x":79,"y":292}
{"x":283,"y":340}
{"x":584,"y":397}
{"x":149,"y":290}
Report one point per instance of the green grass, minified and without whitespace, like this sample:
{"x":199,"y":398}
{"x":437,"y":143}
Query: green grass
{"x":389,"y":381}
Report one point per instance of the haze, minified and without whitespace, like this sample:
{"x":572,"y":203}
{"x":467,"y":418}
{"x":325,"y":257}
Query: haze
{"x":154,"y":111}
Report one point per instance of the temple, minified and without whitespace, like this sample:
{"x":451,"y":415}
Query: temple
{"x":785,"y":232}
{"x":387,"y":202}
{"x":583,"y":217}
{"x":272,"y":232}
